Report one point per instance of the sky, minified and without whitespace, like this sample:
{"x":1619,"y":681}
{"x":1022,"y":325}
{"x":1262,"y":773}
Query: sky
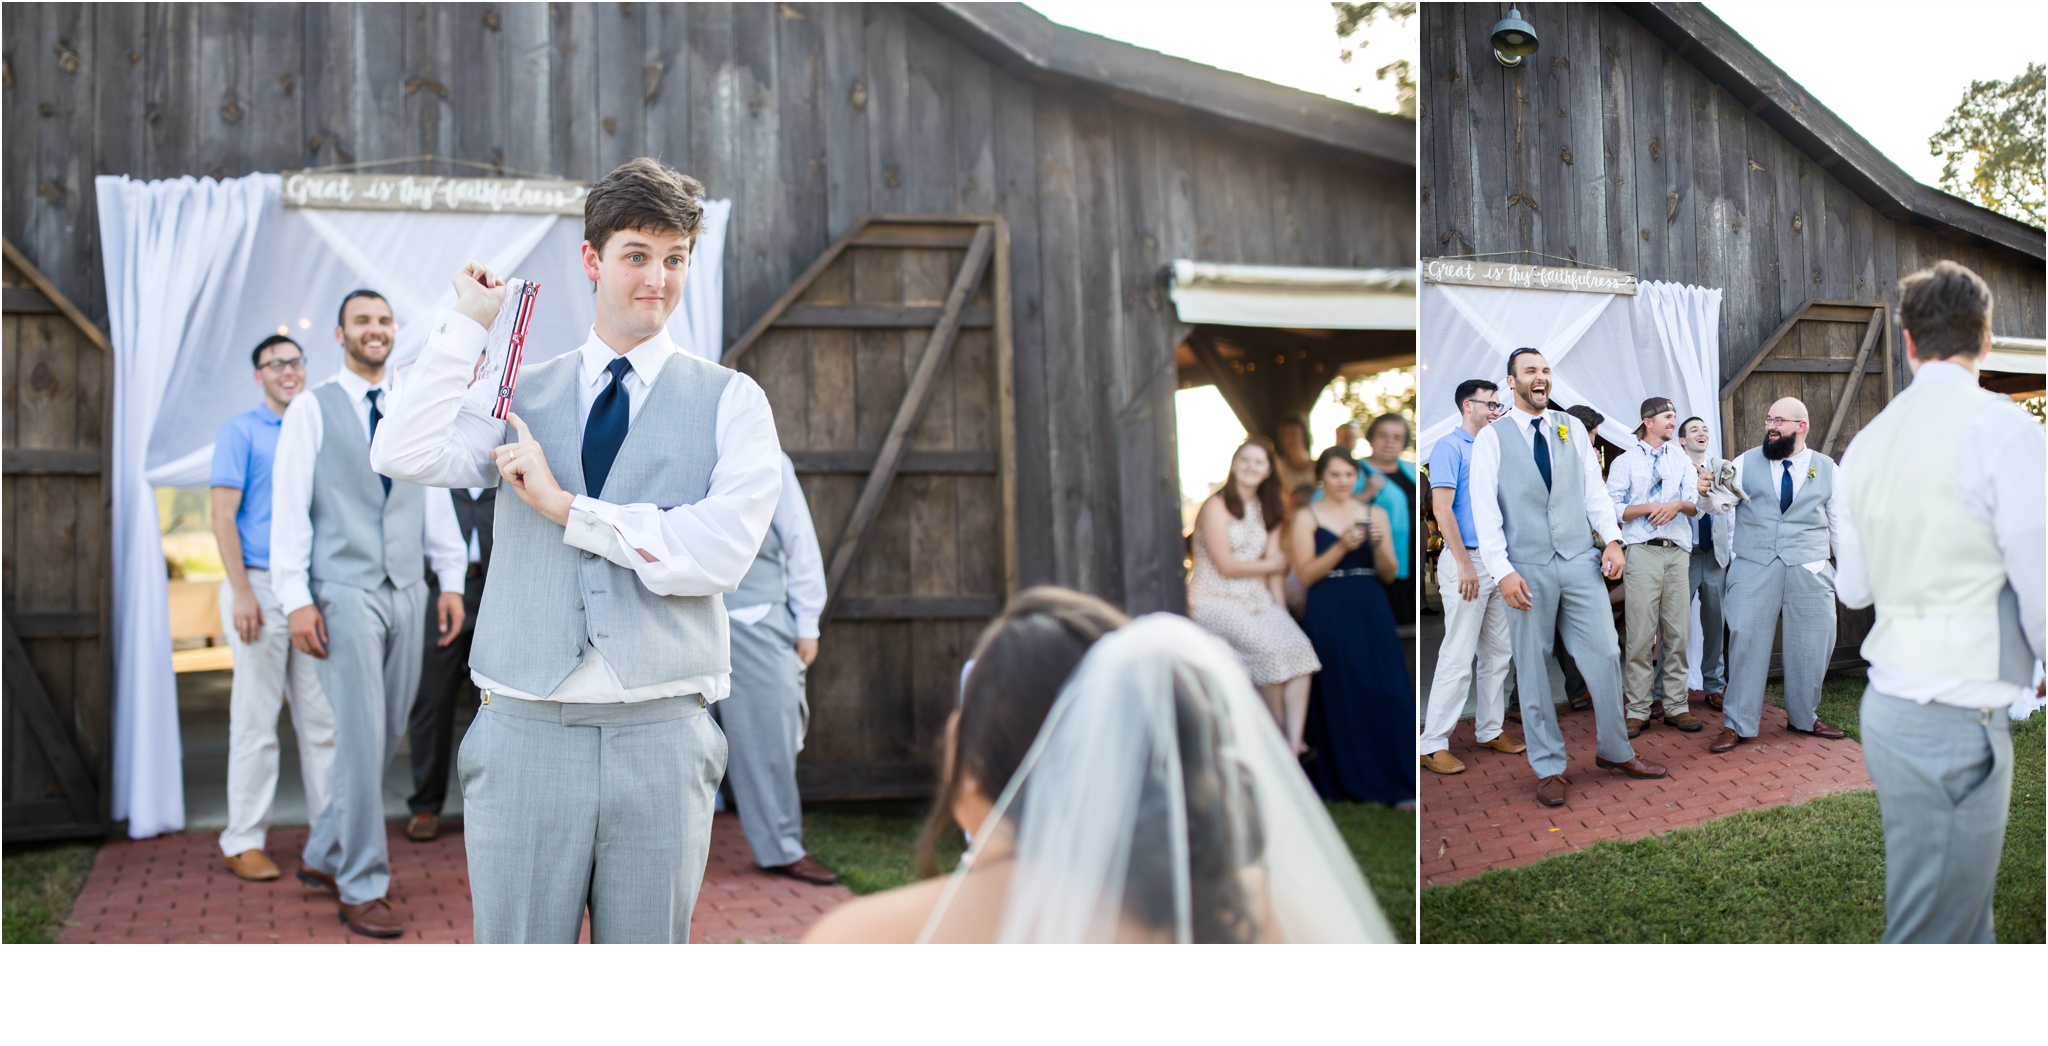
{"x":1291,"y":42}
{"x":1895,"y":96}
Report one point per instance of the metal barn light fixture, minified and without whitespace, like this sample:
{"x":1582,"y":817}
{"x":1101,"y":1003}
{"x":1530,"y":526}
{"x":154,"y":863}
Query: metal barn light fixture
{"x":1513,"y":39}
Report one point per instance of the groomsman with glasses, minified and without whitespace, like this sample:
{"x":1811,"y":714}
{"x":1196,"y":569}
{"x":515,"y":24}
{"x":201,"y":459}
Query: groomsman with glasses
{"x":265,"y":663}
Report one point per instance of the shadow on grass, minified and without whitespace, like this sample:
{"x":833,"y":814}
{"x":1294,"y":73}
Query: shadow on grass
{"x":40,"y":882}
{"x":872,"y":847}
{"x":1807,"y":873}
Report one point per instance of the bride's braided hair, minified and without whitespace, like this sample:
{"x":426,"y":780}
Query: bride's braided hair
{"x":1021,"y":661}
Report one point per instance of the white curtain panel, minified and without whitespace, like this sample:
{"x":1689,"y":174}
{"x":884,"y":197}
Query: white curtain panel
{"x":176,"y":254}
{"x":1606,"y":351}
{"x":199,"y":271}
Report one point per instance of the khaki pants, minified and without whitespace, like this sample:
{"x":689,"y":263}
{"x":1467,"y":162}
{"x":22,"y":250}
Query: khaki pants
{"x":1658,"y":597}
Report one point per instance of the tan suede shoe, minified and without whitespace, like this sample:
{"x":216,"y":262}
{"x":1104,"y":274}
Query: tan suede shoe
{"x":423,"y":828}
{"x":1506,"y":744}
{"x":1442,"y":763}
{"x":253,"y":865}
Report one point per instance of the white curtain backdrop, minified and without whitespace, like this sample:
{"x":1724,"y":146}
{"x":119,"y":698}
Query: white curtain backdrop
{"x":198,"y":272}
{"x":1607,"y":351}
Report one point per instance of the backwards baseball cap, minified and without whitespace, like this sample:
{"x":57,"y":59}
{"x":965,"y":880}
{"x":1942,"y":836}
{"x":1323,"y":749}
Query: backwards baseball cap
{"x":1656,"y":405}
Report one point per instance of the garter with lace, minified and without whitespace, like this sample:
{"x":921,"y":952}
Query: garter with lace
{"x":1159,"y":804}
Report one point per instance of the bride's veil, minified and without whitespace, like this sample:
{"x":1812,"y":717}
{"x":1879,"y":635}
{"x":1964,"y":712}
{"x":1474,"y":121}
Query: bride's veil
{"x":1159,"y":803}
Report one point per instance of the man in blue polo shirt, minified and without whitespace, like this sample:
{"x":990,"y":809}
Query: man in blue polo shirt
{"x":1475,"y":619}
{"x":255,"y":623}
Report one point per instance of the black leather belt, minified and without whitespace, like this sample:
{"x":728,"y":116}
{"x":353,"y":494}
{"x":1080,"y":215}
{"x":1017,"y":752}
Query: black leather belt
{"x":1662,"y":542}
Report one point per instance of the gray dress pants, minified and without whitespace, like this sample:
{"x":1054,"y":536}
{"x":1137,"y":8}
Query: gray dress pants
{"x":1709,"y":580}
{"x":1761,"y":598}
{"x":1944,"y":788}
{"x":370,"y":674}
{"x":1567,"y":598}
{"x":763,"y":722}
{"x":598,"y":806}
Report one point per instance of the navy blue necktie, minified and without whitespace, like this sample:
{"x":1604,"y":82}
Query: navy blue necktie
{"x":1785,"y":488}
{"x":1706,"y":541}
{"x":610,"y":416}
{"x":375,"y":417}
{"x":1542,"y":451}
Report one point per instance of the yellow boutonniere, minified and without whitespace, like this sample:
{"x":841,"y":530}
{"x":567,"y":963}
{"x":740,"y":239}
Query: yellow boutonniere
{"x":1809,"y":473}
{"x":1564,"y":433}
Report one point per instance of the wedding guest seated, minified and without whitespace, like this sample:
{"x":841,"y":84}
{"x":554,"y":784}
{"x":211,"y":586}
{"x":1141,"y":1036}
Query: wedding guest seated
{"x":1235,"y":589}
{"x":1148,"y":802}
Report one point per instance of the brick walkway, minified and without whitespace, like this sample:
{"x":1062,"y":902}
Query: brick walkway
{"x":172,"y":889}
{"x":1487,"y":817}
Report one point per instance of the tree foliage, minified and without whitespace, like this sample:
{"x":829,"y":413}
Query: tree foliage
{"x":1352,"y":20}
{"x":1991,"y":147}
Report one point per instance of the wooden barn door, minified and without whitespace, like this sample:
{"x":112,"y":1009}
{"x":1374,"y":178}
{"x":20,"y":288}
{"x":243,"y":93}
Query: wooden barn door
{"x":57,"y":590}
{"x":1836,"y":357}
{"x":888,"y":366}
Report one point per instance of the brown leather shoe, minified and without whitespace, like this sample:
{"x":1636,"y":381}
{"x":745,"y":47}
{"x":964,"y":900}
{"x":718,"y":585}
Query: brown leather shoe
{"x":423,"y":828}
{"x":1635,"y":727}
{"x":1820,"y":730}
{"x":1726,"y":740}
{"x":1550,"y":790}
{"x":1514,"y":715}
{"x":803,"y":869}
{"x":1635,"y":767}
{"x":319,"y":881}
{"x":1656,"y":709}
{"x":253,"y":865}
{"x":1442,"y":763}
{"x":1714,"y":699}
{"x":1580,"y":703}
{"x":1506,"y":743}
{"x":373,"y":918}
{"x":1685,"y":721}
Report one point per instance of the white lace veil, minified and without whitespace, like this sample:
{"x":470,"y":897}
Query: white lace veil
{"x":1159,"y":803}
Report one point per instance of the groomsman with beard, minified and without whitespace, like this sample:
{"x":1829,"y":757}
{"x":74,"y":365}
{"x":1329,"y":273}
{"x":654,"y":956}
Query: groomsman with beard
{"x":1781,"y":575}
{"x":349,"y":552}
{"x":1944,"y":534}
{"x":1537,"y":501}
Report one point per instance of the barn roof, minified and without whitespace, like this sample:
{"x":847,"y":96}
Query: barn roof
{"x":1733,"y":63}
{"x":1027,"y":45}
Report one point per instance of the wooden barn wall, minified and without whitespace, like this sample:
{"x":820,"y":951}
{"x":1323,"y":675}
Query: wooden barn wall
{"x":805,"y":115}
{"x":1611,"y":149}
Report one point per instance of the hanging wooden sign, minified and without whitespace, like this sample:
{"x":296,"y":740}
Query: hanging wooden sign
{"x":415,"y":192}
{"x":1471,"y":272}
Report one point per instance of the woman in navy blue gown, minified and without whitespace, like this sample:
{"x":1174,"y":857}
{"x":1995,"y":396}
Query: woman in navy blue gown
{"x":1361,"y":721}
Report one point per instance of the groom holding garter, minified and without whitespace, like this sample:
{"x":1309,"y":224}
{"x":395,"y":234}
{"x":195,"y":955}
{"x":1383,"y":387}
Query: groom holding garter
{"x":645,"y":480}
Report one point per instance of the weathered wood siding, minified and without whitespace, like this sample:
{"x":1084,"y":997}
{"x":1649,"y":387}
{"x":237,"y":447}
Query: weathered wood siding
{"x":806,"y":115}
{"x":1611,"y":149}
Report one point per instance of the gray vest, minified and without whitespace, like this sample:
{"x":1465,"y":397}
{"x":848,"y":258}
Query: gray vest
{"x":548,"y":602}
{"x":1797,"y":535}
{"x":1541,"y":523}
{"x":767,"y":581}
{"x":361,"y":537}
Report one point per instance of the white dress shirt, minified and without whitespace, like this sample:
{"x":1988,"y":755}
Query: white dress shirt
{"x":291,"y":496}
{"x":805,"y":568}
{"x":1485,"y":477}
{"x":1999,"y":466}
{"x":1653,"y":474}
{"x":431,"y":436}
{"x":1801,"y":462}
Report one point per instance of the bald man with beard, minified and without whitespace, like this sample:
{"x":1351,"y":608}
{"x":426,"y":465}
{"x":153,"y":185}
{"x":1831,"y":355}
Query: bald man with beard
{"x":1782,"y":539}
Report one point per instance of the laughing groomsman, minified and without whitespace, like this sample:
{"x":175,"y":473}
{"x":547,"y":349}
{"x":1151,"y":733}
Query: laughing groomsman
{"x":1945,"y":534}
{"x":1707,"y":576}
{"x":1781,"y":577}
{"x":350,"y":549}
{"x":1537,"y":501}
{"x":1657,"y":492}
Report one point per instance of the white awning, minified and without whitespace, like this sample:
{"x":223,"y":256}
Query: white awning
{"x":2017,"y":355}
{"x":1294,"y":296}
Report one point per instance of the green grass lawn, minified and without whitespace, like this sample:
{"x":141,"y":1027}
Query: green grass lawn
{"x":40,"y":881}
{"x":872,"y":847}
{"x":1812,"y":872}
